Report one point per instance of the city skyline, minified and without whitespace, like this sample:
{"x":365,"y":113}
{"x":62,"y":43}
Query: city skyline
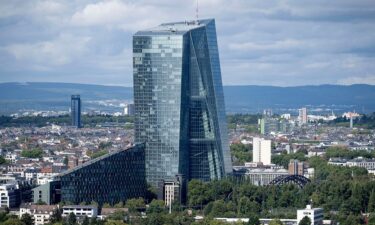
{"x":267,"y":43}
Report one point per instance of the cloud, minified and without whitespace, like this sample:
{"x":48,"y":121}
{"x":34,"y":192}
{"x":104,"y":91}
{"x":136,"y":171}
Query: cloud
{"x":271,"y":42}
{"x":366,"y":79}
{"x":59,"y":51}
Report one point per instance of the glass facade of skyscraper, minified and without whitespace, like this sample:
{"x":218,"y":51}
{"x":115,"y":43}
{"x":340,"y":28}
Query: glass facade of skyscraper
{"x":76,"y":111}
{"x":112,"y":178}
{"x":179,"y":101}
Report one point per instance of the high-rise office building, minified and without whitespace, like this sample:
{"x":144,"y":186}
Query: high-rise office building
{"x":302,"y":116}
{"x":262,"y":151}
{"x":179,"y":101}
{"x":75,"y":108}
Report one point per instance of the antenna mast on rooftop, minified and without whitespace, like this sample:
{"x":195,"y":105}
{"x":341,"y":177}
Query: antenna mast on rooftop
{"x":196,"y":12}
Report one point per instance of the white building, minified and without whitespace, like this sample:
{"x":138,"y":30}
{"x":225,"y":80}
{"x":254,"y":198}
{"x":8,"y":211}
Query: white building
{"x":315,"y":215}
{"x":40,"y":213}
{"x":302,"y":116}
{"x":129,"y":109}
{"x":261,"y":151}
{"x":171,"y":192}
{"x":80,"y":210}
{"x":260,"y":176}
{"x":9,"y":195}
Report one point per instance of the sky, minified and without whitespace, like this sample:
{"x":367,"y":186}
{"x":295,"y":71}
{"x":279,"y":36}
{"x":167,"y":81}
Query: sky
{"x":261,"y":42}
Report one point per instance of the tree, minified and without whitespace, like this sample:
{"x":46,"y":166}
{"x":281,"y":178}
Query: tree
{"x":114,"y":222}
{"x":56,"y":216}
{"x":2,"y":160}
{"x":86,"y":221}
{"x":276,"y":222}
{"x":305,"y":221}
{"x":13,"y":221}
{"x":72,"y":219}
{"x":33,"y":153}
{"x":134,"y":204}
{"x":371,"y":201}
{"x":66,"y":160}
{"x":27,"y":219}
{"x":253,"y":220}
{"x":156,"y":206}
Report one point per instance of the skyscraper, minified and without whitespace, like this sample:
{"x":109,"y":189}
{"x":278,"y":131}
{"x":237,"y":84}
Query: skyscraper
{"x":262,"y":151}
{"x":302,"y":116}
{"x":179,"y":101}
{"x":75,"y":108}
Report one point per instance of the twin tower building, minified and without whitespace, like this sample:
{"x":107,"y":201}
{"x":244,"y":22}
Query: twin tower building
{"x":179,"y":102}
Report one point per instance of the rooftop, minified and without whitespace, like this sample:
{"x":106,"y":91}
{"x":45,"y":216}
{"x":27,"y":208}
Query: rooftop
{"x":174,"y":27}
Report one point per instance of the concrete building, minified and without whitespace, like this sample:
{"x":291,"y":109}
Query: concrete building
{"x":315,"y":215}
{"x":48,"y":193}
{"x":259,"y":176}
{"x":302,"y":116}
{"x":296,"y":167}
{"x":261,"y":151}
{"x":80,"y":210}
{"x":129,"y":109}
{"x":172,"y":190}
{"x":9,"y":195}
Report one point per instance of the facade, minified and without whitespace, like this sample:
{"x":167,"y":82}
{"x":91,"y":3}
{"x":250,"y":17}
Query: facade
{"x":262,"y":151}
{"x":75,"y":108}
{"x":129,"y":109}
{"x":80,"y":211}
{"x":48,"y":193}
{"x":257,"y":175}
{"x":172,"y":190}
{"x":302,"y":116}
{"x":40,"y":213}
{"x":179,"y":101}
{"x":112,"y":178}
{"x":368,"y":164}
{"x":315,"y":215}
{"x":268,"y":125}
{"x":296,"y":168}
{"x":10,"y":195}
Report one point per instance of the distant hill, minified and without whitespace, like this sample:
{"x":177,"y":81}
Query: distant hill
{"x":239,"y":99}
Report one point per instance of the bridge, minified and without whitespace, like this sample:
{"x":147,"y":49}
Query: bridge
{"x":299,"y":180}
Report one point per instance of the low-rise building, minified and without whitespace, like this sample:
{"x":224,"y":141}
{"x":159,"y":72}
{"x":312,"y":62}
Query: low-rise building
{"x":80,"y":210}
{"x":315,"y":215}
{"x":259,"y":176}
{"x":40,"y":213}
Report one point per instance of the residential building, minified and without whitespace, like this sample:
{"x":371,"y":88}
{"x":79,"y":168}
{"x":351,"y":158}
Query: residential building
{"x":10,"y":196}
{"x":315,"y":215}
{"x":40,"y":213}
{"x":179,"y":101}
{"x":76,"y":111}
{"x":261,"y":151}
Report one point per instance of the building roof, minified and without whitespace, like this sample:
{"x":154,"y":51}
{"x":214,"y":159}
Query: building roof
{"x":173,"y":28}
{"x":39,"y":208}
{"x":97,"y":159}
